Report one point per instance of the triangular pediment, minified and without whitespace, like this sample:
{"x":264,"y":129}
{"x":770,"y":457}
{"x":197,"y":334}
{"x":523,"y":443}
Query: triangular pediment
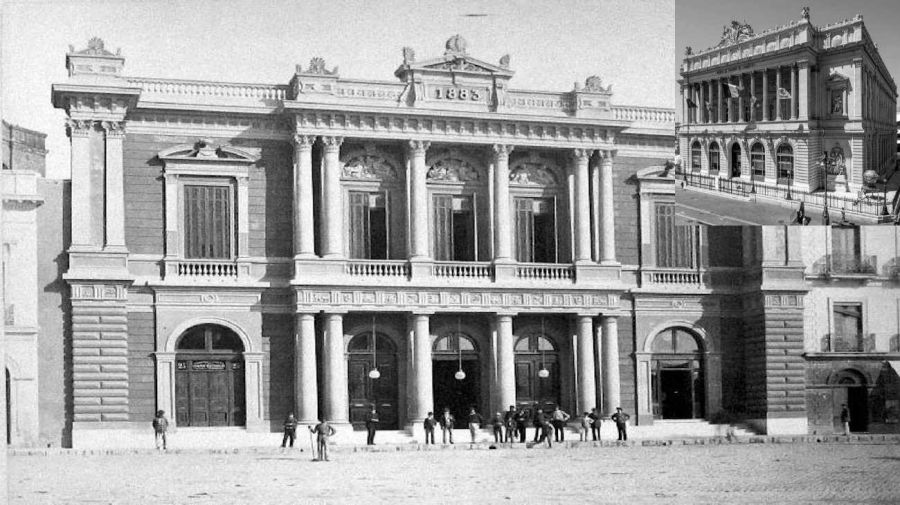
{"x":457,"y":63}
{"x":206,"y":151}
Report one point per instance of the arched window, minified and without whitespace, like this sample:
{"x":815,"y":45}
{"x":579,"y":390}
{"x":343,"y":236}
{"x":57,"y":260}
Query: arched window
{"x":454,"y":342}
{"x":366,"y":344}
{"x":696,"y":153}
{"x":713,"y":158}
{"x":758,"y":161}
{"x":534,"y":343}
{"x":735,"y":160}
{"x":675,"y":341}
{"x":210,"y":338}
{"x":785,"y":158}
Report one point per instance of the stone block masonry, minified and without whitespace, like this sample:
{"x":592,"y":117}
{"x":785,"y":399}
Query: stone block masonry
{"x":99,"y":353}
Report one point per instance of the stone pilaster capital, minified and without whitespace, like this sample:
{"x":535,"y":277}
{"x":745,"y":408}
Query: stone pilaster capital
{"x":114,"y":129}
{"x":304,"y":142}
{"x":502,"y":151}
{"x":581,"y":155}
{"x":332,"y":143}
{"x":79,"y":127}
{"x":418,"y":147}
{"x":612,"y":318}
{"x":607,"y":156}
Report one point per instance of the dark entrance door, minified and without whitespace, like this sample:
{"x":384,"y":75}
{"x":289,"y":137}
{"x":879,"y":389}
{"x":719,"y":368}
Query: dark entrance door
{"x":365,"y":354}
{"x":209,"y":378}
{"x":676,"y":401}
{"x":458,"y":395}
{"x":735,"y":160}
{"x":534,"y":352}
{"x":858,"y":404}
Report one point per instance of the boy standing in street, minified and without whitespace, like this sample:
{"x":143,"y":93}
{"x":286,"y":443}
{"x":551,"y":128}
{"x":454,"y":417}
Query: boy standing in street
{"x":559,"y":418}
{"x":621,"y":419}
{"x":290,"y":430}
{"x":323,"y":432}
{"x":371,"y":425}
{"x":586,"y":424}
{"x":447,"y":420}
{"x":497,"y":424}
{"x":474,"y":421}
{"x":845,"y":419}
{"x":430,"y":423}
{"x":160,"y":425}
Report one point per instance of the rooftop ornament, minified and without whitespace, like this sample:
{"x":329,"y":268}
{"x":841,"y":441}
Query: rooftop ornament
{"x":455,"y":46}
{"x":737,"y":32}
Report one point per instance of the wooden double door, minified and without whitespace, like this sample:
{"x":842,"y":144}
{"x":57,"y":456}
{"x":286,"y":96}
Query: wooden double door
{"x":209,"y":390}
{"x":365,"y":391}
{"x":531,"y":388}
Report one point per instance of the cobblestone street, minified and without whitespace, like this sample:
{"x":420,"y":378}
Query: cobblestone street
{"x":744,"y":473}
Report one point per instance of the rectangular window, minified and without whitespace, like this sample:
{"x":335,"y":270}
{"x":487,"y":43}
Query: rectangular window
{"x":536,"y":230}
{"x":208,"y":221}
{"x":845,"y":251}
{"x":848,"y":330}
{"x":368,"y":225}
{"x":674,"y":243}
{"x":454,"y":228}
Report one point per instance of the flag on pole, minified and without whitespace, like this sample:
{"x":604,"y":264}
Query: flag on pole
{"x":783,"y":93}
{"x":733,"y":90}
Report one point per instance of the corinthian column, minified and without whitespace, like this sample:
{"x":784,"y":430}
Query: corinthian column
{"x":502,"y":230}
{"x":418,"y":199}
{"x":607,"y":210}
{"x":304,"y":234}
{"x":610,"y":368}
{"x":421,"y":369}
{"x":582,"y":206}
{"x":506,"y":362}
{"x":332,"y":204}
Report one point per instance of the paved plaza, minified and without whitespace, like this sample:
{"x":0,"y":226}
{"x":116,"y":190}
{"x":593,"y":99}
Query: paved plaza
{"x":739,"y":473}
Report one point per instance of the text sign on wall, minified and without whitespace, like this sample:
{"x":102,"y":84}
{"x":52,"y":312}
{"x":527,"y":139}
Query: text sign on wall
{"x":458,"y":93}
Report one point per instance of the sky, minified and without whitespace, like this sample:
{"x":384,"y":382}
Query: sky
{"x":551,"y":44}
{"x":698,"y":23}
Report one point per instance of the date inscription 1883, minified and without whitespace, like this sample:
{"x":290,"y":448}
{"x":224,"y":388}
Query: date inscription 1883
{"x":455,"y":93}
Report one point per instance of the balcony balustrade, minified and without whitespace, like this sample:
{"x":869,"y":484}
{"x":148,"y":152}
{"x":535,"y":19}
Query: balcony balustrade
{"x":545,"y":272}
{"x":463,"y":270}
{"x":377,"y":268}
{"x":206,"y":269}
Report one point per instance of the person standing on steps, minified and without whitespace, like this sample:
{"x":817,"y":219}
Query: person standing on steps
{"x":474,"y":421}
{"x":521,"y":422}
{"x":430,"y":422}
{"x":585,"y":425}
{"x":510,"y":422}
{"x":371,"y":425}
{"x":845,"y":419}
{"x":447,"y":420}
{"x":290,"y":430}
{"x":558,"y":419}
{"x":621,"y":420}
{"x":160,"y":426}
{"x":323,"y":432}
{"x":538,"y":421}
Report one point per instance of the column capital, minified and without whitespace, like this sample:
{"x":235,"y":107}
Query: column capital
{"x":332,"y":143}
{"x":418,"y":147}
{"x":79,"y":127}
{"x":607,"y":155}
{"x":114,"y":129}
{"x":421,"y":313}
{"x":505,"y":313}
{"x":303,"y":141}
{"x":608,"y":317}
{"x":580,"y":153}
{"x":502,"y":150}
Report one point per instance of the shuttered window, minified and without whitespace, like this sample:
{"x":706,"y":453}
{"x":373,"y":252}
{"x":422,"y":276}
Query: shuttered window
{"x":454,"y":228}
{"x":536,"y":230}
{"x":674,"y":243}
{"x":368,"y":225}
{"x":208,"y":222}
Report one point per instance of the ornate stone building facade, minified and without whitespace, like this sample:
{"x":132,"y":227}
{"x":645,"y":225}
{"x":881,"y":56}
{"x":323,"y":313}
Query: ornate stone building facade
{"x":772,"y":113}
{"x":240,"y":251}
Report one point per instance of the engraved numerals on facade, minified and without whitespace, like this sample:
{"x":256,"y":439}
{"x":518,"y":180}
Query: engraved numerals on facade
{"x":458,"y":93}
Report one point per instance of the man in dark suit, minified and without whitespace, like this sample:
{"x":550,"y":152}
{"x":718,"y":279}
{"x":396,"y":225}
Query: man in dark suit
{"x":371,"y":425}
{"x":621,"y":420}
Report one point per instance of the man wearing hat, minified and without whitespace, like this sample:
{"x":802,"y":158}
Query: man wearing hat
{"x":621,"y":420}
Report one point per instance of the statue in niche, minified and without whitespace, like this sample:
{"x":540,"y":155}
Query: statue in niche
{"x":837,"y":102}
{"x":836,"y":160}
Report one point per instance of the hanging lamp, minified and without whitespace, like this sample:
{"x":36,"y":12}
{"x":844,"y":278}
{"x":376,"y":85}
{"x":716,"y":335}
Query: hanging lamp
{"x":543,"y":373}
{"x":459,"y":375}
{"x":374,"y":373}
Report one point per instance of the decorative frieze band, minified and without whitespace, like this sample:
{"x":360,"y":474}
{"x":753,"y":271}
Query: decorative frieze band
{"x":435,"y":300}
{"x":94,"y":291}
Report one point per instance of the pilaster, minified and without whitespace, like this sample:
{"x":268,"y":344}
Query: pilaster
{"x":304,"y":231}
{"x":332,"y":224}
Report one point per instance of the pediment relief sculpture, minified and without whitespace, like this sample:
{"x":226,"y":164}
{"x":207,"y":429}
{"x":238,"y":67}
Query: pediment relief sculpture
{"x":368,"y":166}
{"x":205,"y":150}
{"x":531,"y":173}
{"x":452,"y":169}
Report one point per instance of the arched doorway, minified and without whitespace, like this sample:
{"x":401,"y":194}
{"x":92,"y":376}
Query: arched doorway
{"x":735,"y":160}
{"x":452,"y":353}
{"x":365,"y":352}
{"x":676,"y":375}
{"x":851,"y":389}
{"x":535,"y":353}
{"x":209,"y":377}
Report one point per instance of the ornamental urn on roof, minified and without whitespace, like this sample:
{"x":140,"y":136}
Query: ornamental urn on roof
{"x":456,"y":45}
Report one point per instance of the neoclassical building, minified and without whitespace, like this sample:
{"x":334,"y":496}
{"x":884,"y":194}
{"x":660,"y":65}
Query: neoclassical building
{"x":241,"y":251}
{"x":772,"y":113}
